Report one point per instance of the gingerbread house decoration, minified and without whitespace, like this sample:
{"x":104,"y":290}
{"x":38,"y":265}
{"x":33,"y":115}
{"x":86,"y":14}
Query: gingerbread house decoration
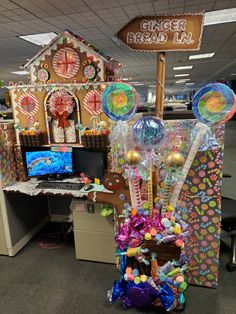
{"x":67,"y":78}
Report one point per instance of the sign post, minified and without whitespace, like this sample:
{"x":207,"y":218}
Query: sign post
{"x":177,"y":32}
{"x":160,"y":87}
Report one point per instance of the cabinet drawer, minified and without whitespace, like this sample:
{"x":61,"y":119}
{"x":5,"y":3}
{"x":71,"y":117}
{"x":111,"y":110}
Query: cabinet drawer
{"x":95,"y":246}
{"x":91,"y":222}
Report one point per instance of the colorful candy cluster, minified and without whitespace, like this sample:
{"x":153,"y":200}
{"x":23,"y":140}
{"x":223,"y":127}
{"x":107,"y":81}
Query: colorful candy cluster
{"x":145,"y":270}
{"x":151,"y":240}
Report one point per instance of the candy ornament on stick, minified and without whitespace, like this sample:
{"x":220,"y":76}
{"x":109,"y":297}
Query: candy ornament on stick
{"x":133,"y":159}
{"x":174,"y":161}
{"x":148,"y":133}
{"x":213,"y":104}
{"x":119,"y":103}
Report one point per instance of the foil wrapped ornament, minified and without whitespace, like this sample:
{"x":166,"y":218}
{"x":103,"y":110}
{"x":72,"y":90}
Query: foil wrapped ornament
{"x":132,"y":158}
{"x":175,"y":160}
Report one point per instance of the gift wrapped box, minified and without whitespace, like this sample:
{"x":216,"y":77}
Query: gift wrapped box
{"x":7,"y":133}
{"x":7,"y":160}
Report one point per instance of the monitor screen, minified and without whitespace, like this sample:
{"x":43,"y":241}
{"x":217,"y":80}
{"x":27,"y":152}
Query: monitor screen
{"x":46,"y":162}
{"x":92,"y":164}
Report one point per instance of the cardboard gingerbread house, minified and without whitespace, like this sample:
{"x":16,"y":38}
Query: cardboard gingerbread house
{"x":67,"y":78}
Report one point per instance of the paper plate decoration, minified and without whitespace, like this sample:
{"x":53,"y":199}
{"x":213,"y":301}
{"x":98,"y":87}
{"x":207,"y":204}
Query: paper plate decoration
{"x":93,"y":102}
{"x":28,"y":104}
{"x":148,"y":132}
{"x":90,"y":72}
{"x":119,"y":101}
{"x":43,"y":75}
{"x":213,"y":103}
{"x":66,"y":62}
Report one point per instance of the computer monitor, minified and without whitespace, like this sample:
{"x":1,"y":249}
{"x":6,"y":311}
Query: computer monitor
{"x":42,"y":162}
{"x":92,"y":163}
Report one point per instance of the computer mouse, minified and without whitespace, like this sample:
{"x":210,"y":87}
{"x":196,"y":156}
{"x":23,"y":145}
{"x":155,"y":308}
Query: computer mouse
{"x":88,"y":187}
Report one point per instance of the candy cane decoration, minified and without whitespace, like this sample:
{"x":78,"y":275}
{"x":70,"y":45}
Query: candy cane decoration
{"x":201,"y":131}
{"x":208,"y":182}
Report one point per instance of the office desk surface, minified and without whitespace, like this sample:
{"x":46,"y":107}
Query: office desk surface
{"x":29,"y":188}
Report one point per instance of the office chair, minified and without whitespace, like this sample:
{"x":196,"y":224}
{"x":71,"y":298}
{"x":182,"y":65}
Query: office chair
{"x":228,"y":224}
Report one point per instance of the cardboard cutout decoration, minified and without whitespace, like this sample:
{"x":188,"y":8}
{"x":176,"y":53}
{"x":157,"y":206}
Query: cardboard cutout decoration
{"x":70,"y":66}
{"x":116,"y":183}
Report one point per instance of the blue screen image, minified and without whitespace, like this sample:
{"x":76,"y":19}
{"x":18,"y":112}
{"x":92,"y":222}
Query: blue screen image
{"x":41,"y":163}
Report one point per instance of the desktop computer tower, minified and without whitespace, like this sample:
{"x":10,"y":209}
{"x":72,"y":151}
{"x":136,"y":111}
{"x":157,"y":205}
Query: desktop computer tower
{"x":93,"y":233}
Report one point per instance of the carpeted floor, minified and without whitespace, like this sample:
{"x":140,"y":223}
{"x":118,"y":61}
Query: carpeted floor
{"x":53,"y":282}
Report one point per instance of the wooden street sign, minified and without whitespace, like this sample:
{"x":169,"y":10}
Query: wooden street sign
{"x":179,"y":32}
{"x":160,"y":33}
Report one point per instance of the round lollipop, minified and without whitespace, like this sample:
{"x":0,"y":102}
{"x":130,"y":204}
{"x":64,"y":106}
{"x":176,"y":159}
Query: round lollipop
{"x":119,"y":101}
{"x":213,"y":104}
{"x":148,"y":133}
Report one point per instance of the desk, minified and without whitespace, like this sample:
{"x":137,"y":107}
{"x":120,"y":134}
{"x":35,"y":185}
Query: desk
{"x":27,"y":209}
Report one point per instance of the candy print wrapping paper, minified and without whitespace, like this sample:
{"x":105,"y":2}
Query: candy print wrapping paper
{"x":7,"y":161}
{"x":200,"y":200}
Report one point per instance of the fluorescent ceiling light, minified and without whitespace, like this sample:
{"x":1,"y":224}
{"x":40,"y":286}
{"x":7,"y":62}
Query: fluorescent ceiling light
{"x":202,"y":56}
{"x":39,"y":39}
{"x":182,"y":81}
{"x":138,"y":84}
{"x":190,"y":83}
{"x":233,"y":74}
{"x":179,"y":75}
{"x":20,"y":72}
{"x":127,"y":78}
{"x":186,"y":67}
{"x":220,"y":16}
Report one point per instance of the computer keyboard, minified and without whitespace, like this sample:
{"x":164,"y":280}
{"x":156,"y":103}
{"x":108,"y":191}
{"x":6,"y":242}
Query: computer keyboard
{"x":60,"y":185}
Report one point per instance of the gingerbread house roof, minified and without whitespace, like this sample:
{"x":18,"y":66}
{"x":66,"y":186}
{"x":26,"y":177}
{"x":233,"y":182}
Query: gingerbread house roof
{"x":80,"y":42}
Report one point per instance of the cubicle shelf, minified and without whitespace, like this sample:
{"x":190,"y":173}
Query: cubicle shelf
{"x":107,"y":148}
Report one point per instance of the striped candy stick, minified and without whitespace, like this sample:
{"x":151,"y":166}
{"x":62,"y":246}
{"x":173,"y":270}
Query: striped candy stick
{"x":201,"y":131}
{"x":137,"y":192}
{"x":166,"y":196}
{"x":150,"y":189}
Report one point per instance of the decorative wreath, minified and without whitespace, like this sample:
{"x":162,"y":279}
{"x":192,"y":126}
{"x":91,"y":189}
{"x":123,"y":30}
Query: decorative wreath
{"x":61,"y":104}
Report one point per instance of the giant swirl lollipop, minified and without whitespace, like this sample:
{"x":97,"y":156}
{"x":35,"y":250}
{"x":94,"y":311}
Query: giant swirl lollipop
{"x":148,"y":133}
{"x":119,"y":101}
{"x":213,"y":104}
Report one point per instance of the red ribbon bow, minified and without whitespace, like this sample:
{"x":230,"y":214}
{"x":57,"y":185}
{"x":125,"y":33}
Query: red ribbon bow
{"x":62,"y":119}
